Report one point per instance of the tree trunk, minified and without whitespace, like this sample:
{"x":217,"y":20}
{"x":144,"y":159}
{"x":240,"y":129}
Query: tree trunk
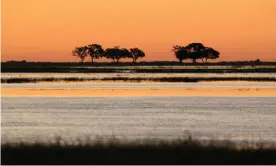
{"x":117,"y":60}
{"x":134,"y":60}
{"x":180,"y":61}
{"x":202,"y":60}
{"x":194,"y":60}
{"x":92,"y":60}
{"x":206,"y":60}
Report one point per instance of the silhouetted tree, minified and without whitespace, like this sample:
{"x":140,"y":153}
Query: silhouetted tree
{"x":136,"y":53}
{"x":125,"y":53}
{"x":210,"y":53}
{"x":80,"y":52}
{"x":117,"y":53}
{"x":112,"y":53}
{"x":95,"y":51}
{"x":180,"y":53}
{"x":195,"y":51}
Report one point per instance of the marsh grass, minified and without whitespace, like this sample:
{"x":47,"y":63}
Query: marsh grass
{"x":134,"y":79}
{"x":113,"y":150}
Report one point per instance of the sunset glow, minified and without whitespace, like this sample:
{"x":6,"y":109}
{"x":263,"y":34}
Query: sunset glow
{"x":139,"y":92}
{"x":48,"y":30}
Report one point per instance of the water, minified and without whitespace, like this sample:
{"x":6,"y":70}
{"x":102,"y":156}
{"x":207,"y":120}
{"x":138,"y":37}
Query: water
{"x":235,"y":118}
{"x":93,"y":85}
{"x":102,"y":75}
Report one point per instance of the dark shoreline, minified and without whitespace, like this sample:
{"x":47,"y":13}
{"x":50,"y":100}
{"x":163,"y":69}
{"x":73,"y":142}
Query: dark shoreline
{"x":137,"y":70}
{"x":136,"y":79}
{"x":141,"y":67}
{"x":149,"y":151}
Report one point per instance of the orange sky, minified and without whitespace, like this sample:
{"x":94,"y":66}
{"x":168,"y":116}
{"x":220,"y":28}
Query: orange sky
{"x":48,"y":30}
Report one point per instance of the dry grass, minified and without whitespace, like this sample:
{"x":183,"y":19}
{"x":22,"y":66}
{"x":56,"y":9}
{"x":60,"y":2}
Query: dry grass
{"x":147,"y":151}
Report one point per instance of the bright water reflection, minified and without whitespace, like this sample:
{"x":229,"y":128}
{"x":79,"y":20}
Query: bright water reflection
{"x":135,"y":117}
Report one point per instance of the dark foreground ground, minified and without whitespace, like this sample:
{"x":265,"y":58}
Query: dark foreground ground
{"x":150,"y":152}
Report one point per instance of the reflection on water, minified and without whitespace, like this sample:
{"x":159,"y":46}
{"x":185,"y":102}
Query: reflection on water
{"x":102,"y":85}
{"x":101,"y":75}
{"x":206,"y":117}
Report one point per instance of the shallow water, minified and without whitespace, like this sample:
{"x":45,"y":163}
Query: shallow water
{"x":233,"y":118}
{"x":110,"y":85}
{"x":101,"y":75}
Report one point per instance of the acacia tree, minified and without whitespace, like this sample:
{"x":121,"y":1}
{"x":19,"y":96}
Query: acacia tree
{"x":210,"y":53}
{"x":125,"y":53}
{"x":195,"y":51}
{"x":136,"y":53}
{"x":95,"y":51}
{"x":180,"y":53}
{"x":117,"y":53}
{"x":80,"y":52}
{"x":112,"y":53}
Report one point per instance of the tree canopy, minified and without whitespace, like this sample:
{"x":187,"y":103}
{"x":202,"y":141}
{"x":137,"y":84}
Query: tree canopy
{"x":195,"y":51}
{"x":117,"y":53}
{"x":95,"y":51}
{"x":136,"y":53}
{"x":181,"y":53}
{"x":80,"y":52}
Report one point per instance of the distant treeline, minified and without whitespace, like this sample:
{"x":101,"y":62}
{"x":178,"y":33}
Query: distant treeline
{"x":193,"y":51}
{"x":95,"y":51}
{"x":141,"y":63}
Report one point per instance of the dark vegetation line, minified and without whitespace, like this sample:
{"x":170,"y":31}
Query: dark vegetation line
{"x":120,"y":70}
{"x":149,"y":151}
{"x":95,"y":51}
{"x":149,"y":67}
{"x":193,"y":51}
{"x":141,"y":63}
{"x":136,"y":79}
